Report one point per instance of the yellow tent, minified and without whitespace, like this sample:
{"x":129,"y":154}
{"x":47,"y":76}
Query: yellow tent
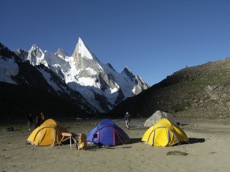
{"x":47,"y":134}
{"x":164,"y":133}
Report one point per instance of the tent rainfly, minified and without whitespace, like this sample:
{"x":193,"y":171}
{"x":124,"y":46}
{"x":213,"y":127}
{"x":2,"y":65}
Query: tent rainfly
{"x":164,"y":133}
{"x":49,"y":133}
{"x":107,"y":133}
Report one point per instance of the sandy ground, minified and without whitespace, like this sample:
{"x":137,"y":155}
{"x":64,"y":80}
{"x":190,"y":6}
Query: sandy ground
{"x":209,"y":150}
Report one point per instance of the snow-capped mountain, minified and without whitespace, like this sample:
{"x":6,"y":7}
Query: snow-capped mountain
{"x":83,"y":73}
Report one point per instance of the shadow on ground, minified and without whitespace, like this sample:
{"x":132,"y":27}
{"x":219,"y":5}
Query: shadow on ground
{"x":135,"y":140}
{"x":196,"y":140}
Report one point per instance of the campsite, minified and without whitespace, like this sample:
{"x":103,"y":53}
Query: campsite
{"x":208,"y":149}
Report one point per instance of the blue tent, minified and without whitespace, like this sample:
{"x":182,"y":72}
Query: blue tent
{"x":107,"y":133}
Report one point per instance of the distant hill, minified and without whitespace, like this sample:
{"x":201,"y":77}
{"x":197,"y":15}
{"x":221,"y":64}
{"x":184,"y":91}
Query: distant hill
{"x":194,"y":92}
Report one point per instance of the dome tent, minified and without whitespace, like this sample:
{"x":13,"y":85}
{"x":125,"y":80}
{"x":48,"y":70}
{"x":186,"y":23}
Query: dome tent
{"x":107,"y":133}
{"x":164,"y":133}
{"x":49,"y":133}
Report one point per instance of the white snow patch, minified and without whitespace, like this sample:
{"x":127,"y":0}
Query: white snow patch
{"x":91,"y":71}
{"x":85,"y":81}
{"x":114,"y":90}
{"x":83,"y":50}
{"x":47,"y":76}
{"x":8,"y":68}
{"x":134,"y":90}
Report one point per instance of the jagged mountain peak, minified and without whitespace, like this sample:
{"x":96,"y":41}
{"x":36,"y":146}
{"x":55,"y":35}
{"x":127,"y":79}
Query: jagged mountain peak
{"x":22,"y":53}
{"x":82,"y":50}
{"x":111,"y":66}
{"x":127,"y":72}
{"x":61,"y":53}
{"x":34,"y":47}
{"x":35,"y":51}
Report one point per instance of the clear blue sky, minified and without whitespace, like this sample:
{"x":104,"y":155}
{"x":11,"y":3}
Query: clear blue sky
{"x":153,"y":38}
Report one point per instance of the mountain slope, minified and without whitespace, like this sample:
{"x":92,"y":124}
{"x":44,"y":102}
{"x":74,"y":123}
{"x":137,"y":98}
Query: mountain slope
{"x":201,"y":91}
{"x":18,"y":101}
{"x":25,"y":88}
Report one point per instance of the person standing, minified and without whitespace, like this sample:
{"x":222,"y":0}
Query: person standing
{"x":127,"y":118}
{"x":42,"y":117}
{"x":37,"y":120}
{"x":29,"y":121}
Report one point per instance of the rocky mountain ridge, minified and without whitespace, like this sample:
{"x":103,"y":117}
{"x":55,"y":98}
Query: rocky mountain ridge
{"x":201,"y":91}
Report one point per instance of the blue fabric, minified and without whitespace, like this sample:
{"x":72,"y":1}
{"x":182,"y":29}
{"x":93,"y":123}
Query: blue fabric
{"x":107,"y":133}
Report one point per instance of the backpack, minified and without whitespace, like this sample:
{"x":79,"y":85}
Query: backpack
{"x":82,"y":144}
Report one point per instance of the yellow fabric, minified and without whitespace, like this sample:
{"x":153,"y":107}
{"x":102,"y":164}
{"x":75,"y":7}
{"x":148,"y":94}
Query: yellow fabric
{"x":47,"y":134}
{"x":82,"y":144}
{"x":164,"y":133}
